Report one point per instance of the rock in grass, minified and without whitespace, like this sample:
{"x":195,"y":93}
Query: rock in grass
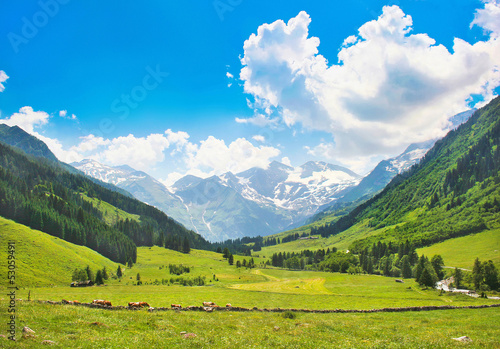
{"x":48,"y":342}
{"x":189,"y":335}
{"x":463,"y":339}
{"x":27,"y":330}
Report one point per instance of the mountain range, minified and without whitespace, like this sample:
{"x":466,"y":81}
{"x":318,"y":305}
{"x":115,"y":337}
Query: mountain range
{"x":258,"y":201}
{"x":251,"y":203}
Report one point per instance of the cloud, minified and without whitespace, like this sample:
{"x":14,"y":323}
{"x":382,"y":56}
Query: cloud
{"x":206,"y":158}
{"x":3,"y":78}
{"x":389,"y":88}
{"x":259,"y":120}
{"x":64,"y":114}
{"x":27,"y":119}
{"x":214,"y":157}
{"x":31,"y":121}
{"x":489,"y":18}
{"x":286,"y":161}
{"x":259,"y":138}
{"x":229,"y":75}
{"x":141,"y":153}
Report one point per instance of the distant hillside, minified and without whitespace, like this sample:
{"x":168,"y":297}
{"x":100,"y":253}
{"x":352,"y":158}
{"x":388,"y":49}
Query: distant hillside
{"x":43,"y":260}
{"x":17,"y":137}
{"x":454,"y":190}
{"x":44,"y":196}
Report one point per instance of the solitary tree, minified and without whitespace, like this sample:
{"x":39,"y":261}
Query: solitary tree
{"x":477,"y":274}
{"x":119,"y":272}
{"x":225,"y":253}
{"x":105,"y":275}
{"x":90,"y":274}
{"x":231,"y":259}
{"x":98,"y":278}
{"x":458,"y":275}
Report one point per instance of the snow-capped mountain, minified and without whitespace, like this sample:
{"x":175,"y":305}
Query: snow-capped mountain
{"x":254,"y":202}
{"x":141,"y":185}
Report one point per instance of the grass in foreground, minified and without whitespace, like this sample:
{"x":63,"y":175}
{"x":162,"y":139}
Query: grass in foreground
{"x":79,"y":327}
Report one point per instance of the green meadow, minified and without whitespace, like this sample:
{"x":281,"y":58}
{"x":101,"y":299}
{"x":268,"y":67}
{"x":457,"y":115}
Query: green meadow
{"x":43,"y":260}
{"x":461,"y":252}
{"x":44,"y":267}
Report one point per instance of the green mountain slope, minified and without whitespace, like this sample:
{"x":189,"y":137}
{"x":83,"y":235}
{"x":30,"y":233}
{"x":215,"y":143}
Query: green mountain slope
{"x":454,"y":191}
{"x":43,"y":260}
{"x":43,"y":195}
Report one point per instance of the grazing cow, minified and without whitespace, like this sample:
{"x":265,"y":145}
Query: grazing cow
{"x":228,"y":305}
{"x":208,"y":304}
{"x":151,"y":309}
{"x":101,"y":302}
{"x":208,"y":309}
{"x":138,"y":304}
{"x":108,"y":303}
{"x":175,"y":306}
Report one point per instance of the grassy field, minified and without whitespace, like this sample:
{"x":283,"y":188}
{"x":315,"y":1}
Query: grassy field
{"x":264,"y":288}
{"x":42,"y":259}
{"x":110,"y":214}
{"x":461,"y":252}
{"x":70,"y":326}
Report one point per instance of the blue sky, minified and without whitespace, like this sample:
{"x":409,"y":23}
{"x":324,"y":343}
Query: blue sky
{"x":159,"y":85}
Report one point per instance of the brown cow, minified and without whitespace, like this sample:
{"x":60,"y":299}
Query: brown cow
{"x":208,"y":304}
{"x":228,"y":305}
{"x":101,"y":302}
{"x":138,"y":304}
{"x":175,"y":306}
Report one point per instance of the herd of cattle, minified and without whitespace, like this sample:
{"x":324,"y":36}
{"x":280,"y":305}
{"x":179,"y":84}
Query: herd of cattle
{"x":211,"y":306}
{"x":207,"y":306}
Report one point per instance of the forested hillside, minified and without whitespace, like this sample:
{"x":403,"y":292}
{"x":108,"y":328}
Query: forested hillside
{"x":454,"y":191}
{"x":44,"y":196}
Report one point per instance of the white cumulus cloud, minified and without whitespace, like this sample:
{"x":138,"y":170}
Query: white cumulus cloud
{"x":3,"y":78}
{"x":390,"y":87}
